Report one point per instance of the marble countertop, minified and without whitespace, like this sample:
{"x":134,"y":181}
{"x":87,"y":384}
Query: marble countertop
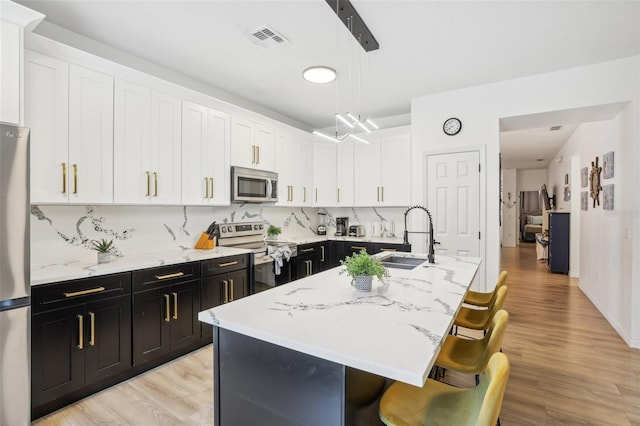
{"x":90,"y":268}
{"x":394,"y":331}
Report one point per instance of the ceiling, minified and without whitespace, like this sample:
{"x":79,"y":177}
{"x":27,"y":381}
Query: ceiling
{"x":425,"y":46}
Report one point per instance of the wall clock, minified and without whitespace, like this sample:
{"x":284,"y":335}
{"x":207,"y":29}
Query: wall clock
{"x":452,"y":126}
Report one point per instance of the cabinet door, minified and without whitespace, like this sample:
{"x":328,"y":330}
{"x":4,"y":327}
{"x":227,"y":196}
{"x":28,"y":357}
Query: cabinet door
{"x":304,"y":172}
{"x":238,"y":284}
{"x":324,"y":174}
{"x":195,"y":182}
{"x":324,"y":256}
{"x":107,"y":338}
{"x":304,"y":266}
{"x":46,"y":112}
{"x":396,"y":170}
{"x":265,"y":140}
{"x":10,"y":50}
{"x":165,"y":150}
{"x":185,"y":305}
{"x":344,"y":174}
{"x":131,"y":141}
{"x":151,"y":324}
{"x":217,"y":157}
{"x":367,"y":187}
{"x":57,"y":354}
{"x":243,"y":147}
{"x":286,"y":158}
{"x":211,"y":292}
{"x":90,"y":136}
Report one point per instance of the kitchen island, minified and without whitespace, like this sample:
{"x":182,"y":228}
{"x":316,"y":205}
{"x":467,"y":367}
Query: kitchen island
{"x":313,"y":351}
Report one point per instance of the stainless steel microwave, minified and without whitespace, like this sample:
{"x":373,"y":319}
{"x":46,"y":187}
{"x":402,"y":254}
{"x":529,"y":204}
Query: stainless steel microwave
{"x":253,"y":186}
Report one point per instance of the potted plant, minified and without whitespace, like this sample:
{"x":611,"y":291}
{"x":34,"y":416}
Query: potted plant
{"x":273,"y":232}
{"x":103,"y":247}
{"x":362,"y":268}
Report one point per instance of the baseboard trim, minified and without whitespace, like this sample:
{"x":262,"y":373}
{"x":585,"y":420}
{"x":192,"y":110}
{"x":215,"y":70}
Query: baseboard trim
{"x":612,"y":322}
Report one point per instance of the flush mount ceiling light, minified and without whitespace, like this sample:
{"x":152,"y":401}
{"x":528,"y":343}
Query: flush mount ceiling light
{"x":319,"y":74}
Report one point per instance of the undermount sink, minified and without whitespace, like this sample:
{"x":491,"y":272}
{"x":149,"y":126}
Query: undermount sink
{"x":399,"y":262}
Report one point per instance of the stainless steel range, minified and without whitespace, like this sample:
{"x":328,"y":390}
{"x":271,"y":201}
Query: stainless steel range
{"x":251,"y":236}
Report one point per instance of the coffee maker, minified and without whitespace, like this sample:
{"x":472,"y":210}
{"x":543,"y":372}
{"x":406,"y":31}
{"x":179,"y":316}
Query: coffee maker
{"x":342,"y":226}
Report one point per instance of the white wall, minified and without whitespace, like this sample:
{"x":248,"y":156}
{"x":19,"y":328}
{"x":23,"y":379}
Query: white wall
{"x":480,"y":109}
{"x":604,"y":236}
{"x":509,"y":208}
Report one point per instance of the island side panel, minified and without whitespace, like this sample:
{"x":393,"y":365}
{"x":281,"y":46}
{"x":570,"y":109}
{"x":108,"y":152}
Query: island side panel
{"x":256,"y":381}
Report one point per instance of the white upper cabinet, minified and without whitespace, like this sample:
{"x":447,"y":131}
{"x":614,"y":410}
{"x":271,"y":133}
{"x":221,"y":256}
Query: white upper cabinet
{"x":324,"y":174}
{"x":294,"y":165}
{"x":252,"y":144}
{"x":70,"y":111}
{"x":47,"y":114}
{"x":205,"y":155}
{"x":90,"y":136}
{"x":14,"y":18}
{"x":344,"y":174}
{"x":147,"y":133}
{"x":382,"y":171}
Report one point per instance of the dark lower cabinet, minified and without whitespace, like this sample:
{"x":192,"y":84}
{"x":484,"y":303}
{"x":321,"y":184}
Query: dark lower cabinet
{"x":222,"y":284}
{"x":80,"y":335}
{"x":308,"y":260}
{"x":165,"y":320}
{"x":559,"y":226}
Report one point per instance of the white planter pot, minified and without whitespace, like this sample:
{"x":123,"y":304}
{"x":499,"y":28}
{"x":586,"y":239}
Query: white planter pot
{"x":363,"y":282}
{"x":104,"y":257}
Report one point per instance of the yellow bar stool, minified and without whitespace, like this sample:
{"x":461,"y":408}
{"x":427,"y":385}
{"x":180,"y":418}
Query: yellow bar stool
{"x":484,"y":300}
{"x":480,"y":319}
{"x":437,"y":403}
{"x":471,"y":356}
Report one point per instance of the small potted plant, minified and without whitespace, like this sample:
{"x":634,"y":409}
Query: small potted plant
{"x":362,"y":268}
{"x":273,"y":232}
{"x":103,"y":247}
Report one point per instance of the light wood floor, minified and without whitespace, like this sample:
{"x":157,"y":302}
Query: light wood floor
{"x":568,"y":366}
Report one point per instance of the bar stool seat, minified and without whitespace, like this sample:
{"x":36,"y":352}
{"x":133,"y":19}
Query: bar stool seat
{"x":484,"y":300}
{"x":480,"y":319}
{"x":437,"y":403}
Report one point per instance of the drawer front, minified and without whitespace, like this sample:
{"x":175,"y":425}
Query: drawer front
{"x":48,"y":297}
{"x":224,"y":264}
{"x":308,"y":249}
{"x":147,"y":279}
{"x":384,"y":247}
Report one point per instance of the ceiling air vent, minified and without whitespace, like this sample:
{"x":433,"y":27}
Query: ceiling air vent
{"x":554,"y":128}
{"x":266,"y":37}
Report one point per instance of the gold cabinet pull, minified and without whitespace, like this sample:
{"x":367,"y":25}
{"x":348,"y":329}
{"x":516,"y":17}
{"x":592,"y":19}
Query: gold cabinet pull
{"x":83,"y":292}
{"x":231,"y":285}
{"x":206,"y":187}
{"x":148,"y":183}
{"x":64,"y":178}
{"x":358,"y":248}
{"x":258,"y":156}
{"x":167,"y":308}
{"x":80,"y":331}
{"x":166,"y":277}
{"x":307,"y":250}
{"x":388,"y":249}
{"x":338,"y":194}
{"x":316,"y":195}
{"x":92,"y":337}
{"x":75,"y":178}
{"x":211,"y":179}
{"x":155,"y":178}
{"x":382,"y":193}
{"x":304,"y":194}
{"x":175,"y":305}
{"x":378,"y":193}
{"x":226,"y":291}
{"x":253,"y":154}
{"x":321,"y":253}
{"x":224,"y":265}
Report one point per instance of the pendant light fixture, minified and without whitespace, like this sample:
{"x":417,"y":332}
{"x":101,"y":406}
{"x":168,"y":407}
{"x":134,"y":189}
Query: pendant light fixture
{"x":358,"y":29}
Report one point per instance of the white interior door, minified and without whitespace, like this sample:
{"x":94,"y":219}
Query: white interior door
{"x":453,"y":198}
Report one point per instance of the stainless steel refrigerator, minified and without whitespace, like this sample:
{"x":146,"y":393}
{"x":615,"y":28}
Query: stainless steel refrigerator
{"x":15,"y":291}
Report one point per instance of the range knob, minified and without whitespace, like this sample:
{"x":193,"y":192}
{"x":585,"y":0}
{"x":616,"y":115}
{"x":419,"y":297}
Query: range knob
{"x":223,"y":229}
{"x":261,"y":226}
{"x":230,"y":228}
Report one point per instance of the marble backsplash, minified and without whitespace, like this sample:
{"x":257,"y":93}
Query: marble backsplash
{"x":63,"y":234}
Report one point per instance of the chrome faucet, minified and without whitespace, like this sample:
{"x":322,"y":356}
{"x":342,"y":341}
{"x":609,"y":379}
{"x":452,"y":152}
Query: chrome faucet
{"x":431,"y":255}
